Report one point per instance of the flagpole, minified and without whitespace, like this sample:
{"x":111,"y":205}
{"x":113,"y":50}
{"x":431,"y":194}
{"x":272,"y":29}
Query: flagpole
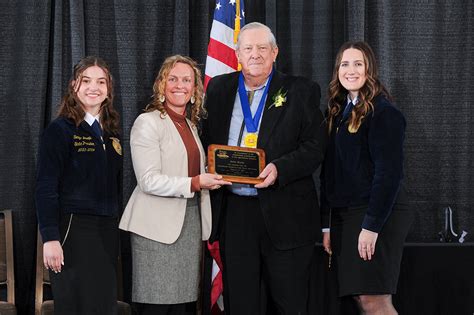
{"x":237,"y":27}
{"x":237,"y":21}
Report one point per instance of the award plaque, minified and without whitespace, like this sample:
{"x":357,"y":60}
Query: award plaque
{"x":236,"y":164}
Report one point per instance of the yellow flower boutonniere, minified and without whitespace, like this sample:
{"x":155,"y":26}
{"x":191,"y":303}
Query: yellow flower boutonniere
{"x":279,"y":98}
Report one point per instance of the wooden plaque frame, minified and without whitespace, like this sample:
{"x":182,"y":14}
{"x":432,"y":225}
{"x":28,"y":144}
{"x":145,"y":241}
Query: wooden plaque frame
{"x":228,"y":161}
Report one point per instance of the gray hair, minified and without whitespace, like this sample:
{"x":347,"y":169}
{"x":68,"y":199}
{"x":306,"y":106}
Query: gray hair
{"x":256,"y":25}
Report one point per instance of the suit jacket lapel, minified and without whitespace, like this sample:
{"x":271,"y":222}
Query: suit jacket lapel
{"x":226,"y":106}
{"x":270,"y":113}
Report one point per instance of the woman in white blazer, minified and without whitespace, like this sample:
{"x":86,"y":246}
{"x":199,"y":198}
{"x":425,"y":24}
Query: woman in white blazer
{"x":169,"y":212}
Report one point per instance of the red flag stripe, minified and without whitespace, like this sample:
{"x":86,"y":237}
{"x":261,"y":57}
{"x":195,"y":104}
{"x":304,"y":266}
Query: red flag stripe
{"x":206,"y":81}
{"x":222,"y":33}
{"x":222,"y":52}
{"x":216,"y":67}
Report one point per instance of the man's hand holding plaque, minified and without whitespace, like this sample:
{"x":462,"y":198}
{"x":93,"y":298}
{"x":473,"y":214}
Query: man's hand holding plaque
{"x":268,"y":175}
{"x":238,"y":164}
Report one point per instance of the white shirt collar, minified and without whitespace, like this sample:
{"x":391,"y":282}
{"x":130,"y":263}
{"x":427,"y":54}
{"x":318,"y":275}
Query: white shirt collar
{"x":90,"y":119}
{"x":354,"y":101}
{"x":257,"y":88}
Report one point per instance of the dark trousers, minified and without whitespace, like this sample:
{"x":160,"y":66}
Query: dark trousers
{"x":166,"y":309}
{"x":87,"y":284}
{"x":251,"y":261}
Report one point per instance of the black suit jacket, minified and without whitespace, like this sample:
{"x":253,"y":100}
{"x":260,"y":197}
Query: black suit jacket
{"x":291,"y":136}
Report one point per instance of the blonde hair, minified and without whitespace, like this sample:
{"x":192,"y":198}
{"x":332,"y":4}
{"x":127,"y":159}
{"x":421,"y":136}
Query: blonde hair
{"x":193,"y":111}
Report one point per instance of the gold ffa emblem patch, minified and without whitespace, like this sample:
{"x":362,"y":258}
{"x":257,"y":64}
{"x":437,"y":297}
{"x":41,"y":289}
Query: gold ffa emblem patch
{"x":116,"y":145}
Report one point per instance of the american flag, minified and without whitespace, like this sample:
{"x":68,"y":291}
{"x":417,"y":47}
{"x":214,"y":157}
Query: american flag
{"x":229,"y":17}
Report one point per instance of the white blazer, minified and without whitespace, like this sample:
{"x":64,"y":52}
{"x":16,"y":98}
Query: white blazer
{"x":157,"y":206}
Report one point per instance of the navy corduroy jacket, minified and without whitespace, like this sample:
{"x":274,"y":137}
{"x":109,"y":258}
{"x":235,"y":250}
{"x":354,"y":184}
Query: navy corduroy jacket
{"x":366,"y":167}
{"x":76,"y":175}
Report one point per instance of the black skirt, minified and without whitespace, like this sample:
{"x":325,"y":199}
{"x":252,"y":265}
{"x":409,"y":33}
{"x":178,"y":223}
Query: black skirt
{"x":87,"y":283}
{"x":380,"y":274}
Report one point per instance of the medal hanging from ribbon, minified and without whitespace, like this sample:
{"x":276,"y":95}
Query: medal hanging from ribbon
{"x":251,"y":124}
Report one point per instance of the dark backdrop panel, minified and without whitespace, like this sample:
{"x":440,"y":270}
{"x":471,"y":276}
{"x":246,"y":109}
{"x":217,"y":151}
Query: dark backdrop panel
{"x":425,"y":51}
{"x":24,"y":72}
{"x":309,"y":33}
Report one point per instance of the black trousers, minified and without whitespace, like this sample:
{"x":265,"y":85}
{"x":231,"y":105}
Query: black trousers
{"x":166,"y":309}
{"x":87,"y":284}
{"x":253,"y":266}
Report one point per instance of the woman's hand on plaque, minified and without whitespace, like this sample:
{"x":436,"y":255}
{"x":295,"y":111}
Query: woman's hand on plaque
{"x":212,"y":181}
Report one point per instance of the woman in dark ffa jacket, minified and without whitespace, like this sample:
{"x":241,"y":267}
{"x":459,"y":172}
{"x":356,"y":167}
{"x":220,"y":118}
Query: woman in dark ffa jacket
{"x":362,"y":194}
{"x":77,"y":194}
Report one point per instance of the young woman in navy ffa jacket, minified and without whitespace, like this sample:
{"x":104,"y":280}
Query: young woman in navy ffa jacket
{"x":169,"y":212}
{"x":362,"y":194}
{"x":77,"y":194}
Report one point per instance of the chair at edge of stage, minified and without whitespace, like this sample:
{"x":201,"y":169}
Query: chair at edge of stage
{"x":7,"y":274}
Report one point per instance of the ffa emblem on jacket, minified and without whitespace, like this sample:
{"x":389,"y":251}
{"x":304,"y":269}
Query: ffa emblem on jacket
{"x":116,"y":145}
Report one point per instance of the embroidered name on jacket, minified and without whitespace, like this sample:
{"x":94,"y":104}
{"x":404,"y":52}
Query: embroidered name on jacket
{"x":84,"y":144}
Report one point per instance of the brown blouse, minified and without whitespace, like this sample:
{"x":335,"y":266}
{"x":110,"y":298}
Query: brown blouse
{"x":192,"y":149}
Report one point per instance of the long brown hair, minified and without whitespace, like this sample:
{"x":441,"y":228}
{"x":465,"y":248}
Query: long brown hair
{"x":367,"y":93}
{"x":193,"y":111}
{"x":72,"y":108}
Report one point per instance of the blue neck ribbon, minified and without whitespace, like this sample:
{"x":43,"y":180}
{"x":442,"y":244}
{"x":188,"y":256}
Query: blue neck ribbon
{"x":252,"y":123}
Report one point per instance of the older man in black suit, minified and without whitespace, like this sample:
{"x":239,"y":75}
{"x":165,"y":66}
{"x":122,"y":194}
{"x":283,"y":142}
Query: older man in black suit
{"x":266,"y":231}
